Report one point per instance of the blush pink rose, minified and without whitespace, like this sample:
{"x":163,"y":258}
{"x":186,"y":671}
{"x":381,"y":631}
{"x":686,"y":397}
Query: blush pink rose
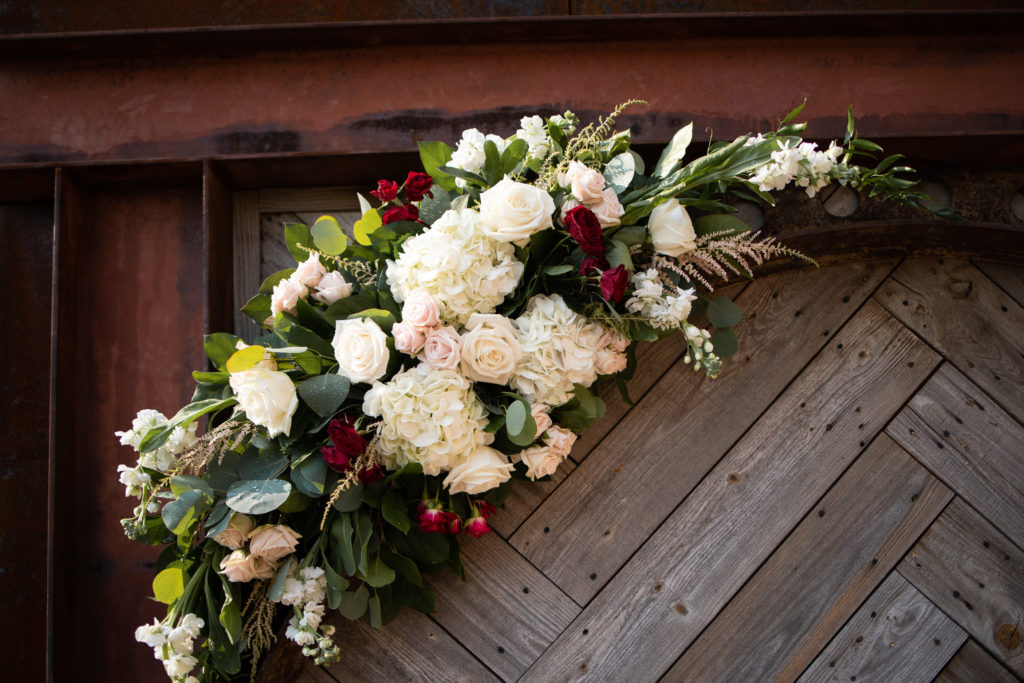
{"x":310,"y":271}
{"x":271,"y":542}
{"x":539,"y":412}
{"x":443,"y":348}
{"x":409,"y":339}
{"x":608,"y":362}
{"x":286,"y":295}
{"x":608,"y":210}
{"x":421,"y":310}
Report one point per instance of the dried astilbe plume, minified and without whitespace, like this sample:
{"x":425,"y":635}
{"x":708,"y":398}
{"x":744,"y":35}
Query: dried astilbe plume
{"x":718,"y":254}
{"x":369,"y":458}
{"x":259,"y":623}
{"x":215,"y":443}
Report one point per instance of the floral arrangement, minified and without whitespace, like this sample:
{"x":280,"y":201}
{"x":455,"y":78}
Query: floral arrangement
{"x":410,"y":375}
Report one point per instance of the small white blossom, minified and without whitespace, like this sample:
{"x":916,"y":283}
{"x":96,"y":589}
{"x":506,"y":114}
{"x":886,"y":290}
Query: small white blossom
{"x":649,"y":300}
{"x":535,"y":133}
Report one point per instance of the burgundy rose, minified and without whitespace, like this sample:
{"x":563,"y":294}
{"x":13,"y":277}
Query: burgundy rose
{"x":613,"y":283}
{"x":345,"y":436}
{"x":454,"y":523}
{"x":335,"y":458}
{"x":406,"y":212}
{"x":431,"y":520}
{"x":594,"y":265}
{"x":371,"y":474}
{"x":477,"y":527}
{"x":417,"y":185}
{"x":386,"y":190}
{"x":584,"y":227}
{"x":484,"y":509}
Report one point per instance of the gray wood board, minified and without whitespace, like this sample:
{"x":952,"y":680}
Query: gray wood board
{"x":525,"y":498}
{"x":617,"y":497}
{"x":702,"y":555}
{"x":246,"y":246}
{"x":410,"y":648}
{"x":973,"y":665}
{"x":970,"y":443}
{"x":976,"y":575}
{"x":958,"y":310}
{"x":810,"y":586}
{"x":896,"y":635}
{"x":1008,"y":276}
{"x":506,"y":612}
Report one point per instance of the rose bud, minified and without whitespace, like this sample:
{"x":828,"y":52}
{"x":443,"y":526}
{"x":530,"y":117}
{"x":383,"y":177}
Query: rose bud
{"x":417,"y":185}
{"x":477,"y":527}
{"x":613,"y":283}
{"x":432,"y":520}
{"x":406,"y":212}
{"x":386,"y":190}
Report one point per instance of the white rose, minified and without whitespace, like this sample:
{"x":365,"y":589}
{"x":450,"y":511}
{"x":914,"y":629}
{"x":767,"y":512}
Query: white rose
{"x":361,"y":348}
{"x":481,"y":471}
{"x":443,"y":348}
{"x":310,"y":271}
{"x":586,"y":183}
{"x":409,"y":339}
{"x":511,"y":211}
{"x":233,"y":536}
{"x":608,"y":210}
{"x":332,"y":287}
{"x":268,"y":398}
{"x":560,"y":440}
{"x":421,"y":310}
{"x":286,"y":295}
{"x":271,"y":542}
{"x":541,"y":461}
{"x":490,"y":349}
{"x":671,"y":229}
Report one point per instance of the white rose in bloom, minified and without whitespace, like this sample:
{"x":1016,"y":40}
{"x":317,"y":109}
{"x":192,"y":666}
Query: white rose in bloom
{"x":268,"y":398}
{"x":361,"y":348}
{"x":481,"y":471}
{"x":541,"y":461}
{"x":286,"y":295}
{"x":332,"y":287}
{"x":310,"y":271}
{"x":233,"y":536}
{"x":490,"y":349}
{"x":443,"y":348}
{"x":271,"y":542}
{"x":586,"y":184}
{"x":671,"y":229}
{"x":609,"y":210}
{"x":511,"y":211}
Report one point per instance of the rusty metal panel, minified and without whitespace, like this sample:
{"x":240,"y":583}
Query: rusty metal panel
{"x":130,"y":311}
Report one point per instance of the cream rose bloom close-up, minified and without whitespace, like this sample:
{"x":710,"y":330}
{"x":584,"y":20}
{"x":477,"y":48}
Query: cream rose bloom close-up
{"x":286,"y":294}
{"x":361,"y":348}
{"x":241,"y":566}
{"x":271,"y":542}
{"x":484,"y":469}
{"x":234,"y":534}
{"x":490,"y":349}
{"x":671,"y":229}
{"x":512,"y":212}
{"x":332,"y":287}
{"x":268,"y":398}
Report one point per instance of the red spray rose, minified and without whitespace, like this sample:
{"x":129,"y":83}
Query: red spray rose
{"x":386,"y":190}
{"x":613,"y":283}
{"x":417,"y":185}
{"x":432,"y":520}
{"x":371,"y":474}
{"x":584,"y":227}
{"x":477,"y":527}
{"x":594,"y":265}
{"x":335,"y":458}
{"x":406,"y":212}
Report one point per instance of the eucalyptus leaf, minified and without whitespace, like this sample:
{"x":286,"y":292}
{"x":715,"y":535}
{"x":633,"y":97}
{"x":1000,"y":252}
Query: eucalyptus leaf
{"x":258,"y":497}
{"x":169,"y":584}
{"x":328,"y":235}
{"x":353,"y":603}
{"x":374,"y":613}
{"x":618,"y":255}
{"x":280,"y":578}
{"x":350,"y":499}
{"x":263,"y":464}
{"x":378,"y":574}
{"x":394,"y":509}
{"x":310,"y":475}
{"x":560,"y":269}
{"x":325,"y":393}
{"x":179,"y":515}
{"x":183,"y":482}
{"x":341,"y":534}
{"x":244,"y":358}
{"x":725,"y":341}
{"x":515,"y":418}
{"x":719,"y":224}
{"x":366,"y":226}
{"x":723,"y":313}
{"x":432,"y":208}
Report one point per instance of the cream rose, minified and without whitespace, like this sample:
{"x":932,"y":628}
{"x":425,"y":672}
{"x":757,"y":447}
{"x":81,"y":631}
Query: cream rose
{"x":541,"y":461}
{"x":608,"y":210}
{"x":271,"y":542}
{"x":481,"y":471}
{"x":560,"y":440}
{"x":443,"y":348}
{"x":671,"y":229}
{"x":234,"y":534}
{"x":361,"y":349}
{"x":585,"y":183}
{"x":409,"y":339}
{"x":240,"y":566}
{"x":511,"y":211}
{"x":539,"y":413}
{"x":310,"y":271}
{"x":268,"y":398}
{"x":286,"y":295}
{"x":490,"y":349}
{"x":332,"y":287}
{"x":608,"y":361}
{"x":421,"y":310}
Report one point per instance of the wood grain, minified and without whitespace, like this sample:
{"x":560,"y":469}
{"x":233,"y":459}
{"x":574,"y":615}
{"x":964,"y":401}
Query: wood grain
{"x":969,"y":442}
{"x":973,"y":665}
{"x":506,"y":612}
{"x":247,"y":250}
{"x":700,"y":557}
{"x":1010,"y":278}
{"x":815,"y":581}
{"x":976,"y":576}
{"x":325,"y":199}
{"x":525,"y":498}
{"x":967,"y":318}
{"x":897,"y":635}
{"x":662,"y":449}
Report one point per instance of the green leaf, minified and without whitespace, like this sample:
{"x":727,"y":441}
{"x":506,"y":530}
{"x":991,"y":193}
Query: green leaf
{"x":513,"y":155}
{"x":219,"y":347}
{"x":725,"y":341}
{"x":328,"y":235}
{"x":395,"y":510}
{"x":244,"y":358}
{"x":258,"y":497}
{"x":723,"y":313}
{"x":421,"y":599}
{"x":721,"y":224}
{"x":226,"y":658}
{"x":364,"y":532}
{"x":218,"y":519}
{"x":350,"y":499}
{"x":184,"y":482}
{"x":374,"y":614}
{"x":157,"y":437}
{"x":210,"y":377}
{"x":433,"y":208}
{"x":179,"y":515}
{"x":384,"y":319}
{"x":310,"y":475}
{"x":560,"y":269}
{"x":336,"y":584}
{"x":230,"y":615}
{"x":434,"y":155}
{"x":258,"y":465}
{"x":492,"y":163}
{"x":268,"y":285}
{"x":405,"y":567}
{"x":280,"y":578}
{"x":431,"y":549}
{"x":366,"y":226}
{"x":378,"y":574}
{"x":169,"y":585}
{"x":631,"y":234}
{"x":341,"y":533}
{"x":353,"y":603}
{"x":298,"y":233}
{"x":519,"y":423}
{"x":793,"y":114}
{"x":674,"y":152}
{"x":515,"y":418}
{"x":325,"y":393}
{"x":619,"y":172}
{"x":258,"y":308}
{"x":618,"y":255}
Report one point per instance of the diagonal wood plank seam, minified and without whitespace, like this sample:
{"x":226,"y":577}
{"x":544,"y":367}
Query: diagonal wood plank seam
{"x":980,"y":265}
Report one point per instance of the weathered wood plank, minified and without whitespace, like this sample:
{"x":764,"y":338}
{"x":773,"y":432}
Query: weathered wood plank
{"x":963,"y":314}
{"x":897,"y":635}
{"x":506,"y":612}
{"x":661,"y":450}
{"x":690,"y":568}
{"x":410,"y":648}
{"x":975,"y":575}
{"x":274,"y":255}
{"x":325,"y":199}
{"x":973,"y":445}
{"x":818,"y":578}
{"x":525,"y":498}
{"x":1008,"y":276}
{"x":246,"y":259}
{"x":973,"y":665}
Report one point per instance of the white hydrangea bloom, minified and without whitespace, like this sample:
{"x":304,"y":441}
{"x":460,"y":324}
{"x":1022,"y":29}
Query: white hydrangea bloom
{"x":428,"y":416}
{"x":469,"y":152}
{"x":535,"y":133}
{"x":559,"y":348}
{"x":649,"y":300}
{"x":465,"y":271}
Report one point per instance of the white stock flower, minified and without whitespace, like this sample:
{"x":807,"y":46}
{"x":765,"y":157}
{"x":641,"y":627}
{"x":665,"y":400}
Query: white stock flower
{"x":663,"y":311}
{"x":511,"y":211}
{"x":469,"y":154}
{"x":490,"y":350}
{"x":268,"y":398}
{"x":481,"y":471}
{"x":332,"y":287}
{"x":134,"y":480}
{"x":164,"y":457}
{"x":361,"y":349}
{"x":671,"y":229}
{"x":535,"y":133}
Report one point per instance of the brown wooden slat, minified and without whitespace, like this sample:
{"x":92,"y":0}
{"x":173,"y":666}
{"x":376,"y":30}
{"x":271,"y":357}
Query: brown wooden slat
{"x":662,"y":449}
{"x":973,"y":665}
{"x":817,"y":579}
{"x":277,"y":200}
{"x":970,"y":443}
{"x":218,"y":237}
{"x":976,"y":576}
{"x":897,"y":635}
{"x":1009,"y":277}
{"x":690,"y":568}
{"x":506,"y":612}
{"x":959,"y":311}
{"x":246,"y":259}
